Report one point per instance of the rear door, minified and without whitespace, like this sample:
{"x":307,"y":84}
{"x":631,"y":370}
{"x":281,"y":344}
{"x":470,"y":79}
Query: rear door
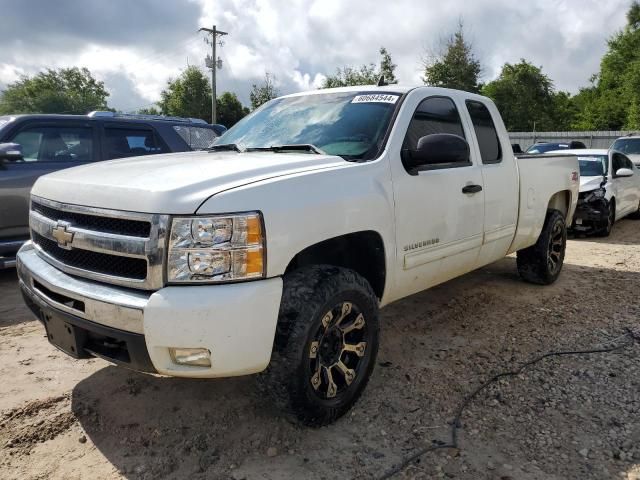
{"x":500,"y":178}
{"x":47,"y":146}
{"x":438,"y":226}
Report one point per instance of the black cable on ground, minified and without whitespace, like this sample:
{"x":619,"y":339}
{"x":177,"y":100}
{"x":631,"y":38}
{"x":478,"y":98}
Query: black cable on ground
{"x":455,"y":424}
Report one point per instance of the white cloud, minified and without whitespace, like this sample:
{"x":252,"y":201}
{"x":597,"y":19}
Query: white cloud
{"x":301,"y":41}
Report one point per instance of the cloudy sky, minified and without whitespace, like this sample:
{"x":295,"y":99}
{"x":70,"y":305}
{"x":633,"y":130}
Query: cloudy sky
{"x":135,"y":46}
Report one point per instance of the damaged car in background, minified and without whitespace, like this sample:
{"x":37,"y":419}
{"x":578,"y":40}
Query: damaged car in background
{"x":609,"y":190}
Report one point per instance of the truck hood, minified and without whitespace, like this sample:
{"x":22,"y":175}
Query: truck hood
{"x":590,"y":183}
{"x":175,"y":183}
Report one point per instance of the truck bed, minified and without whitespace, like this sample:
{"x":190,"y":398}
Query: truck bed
{"x":540,"y":177}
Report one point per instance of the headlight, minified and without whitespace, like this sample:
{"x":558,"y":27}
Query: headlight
{"x":216,"y":248}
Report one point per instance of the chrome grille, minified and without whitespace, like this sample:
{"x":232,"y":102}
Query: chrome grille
{"x":121,"y":248}
{"x":134,"y":228}
{"x":125,"y":267}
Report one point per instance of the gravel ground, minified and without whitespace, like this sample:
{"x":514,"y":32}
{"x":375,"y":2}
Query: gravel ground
{"x":570,"y":417}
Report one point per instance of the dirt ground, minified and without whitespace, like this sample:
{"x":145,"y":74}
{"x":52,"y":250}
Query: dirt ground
{"x":575,"y":417}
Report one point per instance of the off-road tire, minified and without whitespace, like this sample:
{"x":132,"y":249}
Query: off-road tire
{"x":611,"y":219}
{"x":535,"y":263}
{"x":308,"y":295}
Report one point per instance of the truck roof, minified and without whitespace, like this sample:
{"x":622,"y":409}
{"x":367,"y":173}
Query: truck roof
{"x":394,"y":88}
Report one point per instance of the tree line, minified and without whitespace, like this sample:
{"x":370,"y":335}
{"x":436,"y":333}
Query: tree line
{"x":524,"y":94}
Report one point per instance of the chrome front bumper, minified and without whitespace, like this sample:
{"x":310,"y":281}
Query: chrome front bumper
{"x":235,"y":322}
{"x":107,"y":305}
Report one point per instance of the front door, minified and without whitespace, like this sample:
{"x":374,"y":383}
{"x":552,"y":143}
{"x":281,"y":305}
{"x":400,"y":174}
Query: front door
{"x":624,"y":187}
{"x":439,"y":209}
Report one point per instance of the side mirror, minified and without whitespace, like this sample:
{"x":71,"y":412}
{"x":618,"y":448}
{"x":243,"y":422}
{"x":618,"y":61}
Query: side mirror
{"x":624,"y":172}
{"x":10,"y":151}
{"x":437,"y":149}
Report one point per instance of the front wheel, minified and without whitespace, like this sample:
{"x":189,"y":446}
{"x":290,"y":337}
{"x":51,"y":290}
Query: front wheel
{"x":326,"y":344}
{"x":605,"y":231}
{"x":541,"y":263}
{"x":636,"y":215}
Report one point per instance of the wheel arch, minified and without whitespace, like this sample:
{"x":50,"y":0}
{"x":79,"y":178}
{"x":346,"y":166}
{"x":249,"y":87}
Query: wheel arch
{"x":560,"y":201}
{"x":362,"y":252}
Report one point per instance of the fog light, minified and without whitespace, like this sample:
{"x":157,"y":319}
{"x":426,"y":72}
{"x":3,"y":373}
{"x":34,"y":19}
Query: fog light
{"x":198,"y":357}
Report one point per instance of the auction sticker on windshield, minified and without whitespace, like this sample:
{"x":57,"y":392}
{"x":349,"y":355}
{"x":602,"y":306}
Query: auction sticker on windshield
{"x":375,"y":98}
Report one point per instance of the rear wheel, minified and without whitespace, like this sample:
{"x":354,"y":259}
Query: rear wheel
{"x":541,"y":263}
{"x":326,"y":344}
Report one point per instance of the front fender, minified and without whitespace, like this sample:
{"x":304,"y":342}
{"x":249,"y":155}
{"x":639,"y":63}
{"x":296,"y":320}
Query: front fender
{"x":303,"y":209}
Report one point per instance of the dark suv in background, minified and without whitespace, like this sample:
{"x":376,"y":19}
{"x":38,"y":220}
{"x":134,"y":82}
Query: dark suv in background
{"x":34,"y":145}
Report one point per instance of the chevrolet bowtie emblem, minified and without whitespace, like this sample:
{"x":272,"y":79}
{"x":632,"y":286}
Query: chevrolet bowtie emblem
{"x":62,"y":235}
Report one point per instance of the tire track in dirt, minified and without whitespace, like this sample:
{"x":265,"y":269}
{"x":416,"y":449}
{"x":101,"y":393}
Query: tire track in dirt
{"x":36,"y":422}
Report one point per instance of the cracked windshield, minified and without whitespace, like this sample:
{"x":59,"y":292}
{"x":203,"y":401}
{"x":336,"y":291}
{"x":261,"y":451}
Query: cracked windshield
{"x":351,"y":125}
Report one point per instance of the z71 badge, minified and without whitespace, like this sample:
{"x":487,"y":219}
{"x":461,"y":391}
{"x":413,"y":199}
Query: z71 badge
{"x":423,"y":243}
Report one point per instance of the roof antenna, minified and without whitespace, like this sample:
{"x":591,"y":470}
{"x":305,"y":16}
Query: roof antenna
{"x":382,"y":82}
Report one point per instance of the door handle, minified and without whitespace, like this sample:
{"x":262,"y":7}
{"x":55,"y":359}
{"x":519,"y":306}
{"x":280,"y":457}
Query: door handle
{"x":471,"y":189}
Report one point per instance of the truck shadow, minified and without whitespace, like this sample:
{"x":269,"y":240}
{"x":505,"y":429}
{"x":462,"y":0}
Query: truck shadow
{"x":434,"y":346}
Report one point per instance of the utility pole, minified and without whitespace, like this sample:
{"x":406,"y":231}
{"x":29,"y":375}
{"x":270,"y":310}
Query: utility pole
{"x":213,"y":63}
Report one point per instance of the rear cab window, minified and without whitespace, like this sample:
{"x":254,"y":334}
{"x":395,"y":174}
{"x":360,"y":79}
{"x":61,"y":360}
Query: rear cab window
{"x":486,"y":133}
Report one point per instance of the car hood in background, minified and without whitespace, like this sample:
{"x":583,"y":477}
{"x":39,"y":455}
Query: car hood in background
{"x":175,"y":183}
{"x":590,"y":183}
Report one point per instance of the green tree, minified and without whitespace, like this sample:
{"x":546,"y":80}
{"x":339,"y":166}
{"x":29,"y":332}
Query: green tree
{"x":189,"y":95}
{"x":229,"y":109}
{"x":387,"y":67}
{"x":67,"y":90}
{"x":349,"y":76}
{"x":563,"y":111}
{"x":149,"y":111}
{"x":455,"y":67}
{"x":633,"y":15}
{"x":363,"y":75}
{"x":614,"y":97}
{"x":525,"y":97}
{"x":264,"y":92}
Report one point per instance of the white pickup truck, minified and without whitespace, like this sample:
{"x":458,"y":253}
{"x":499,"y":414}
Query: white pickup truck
{"x":274,"y":251}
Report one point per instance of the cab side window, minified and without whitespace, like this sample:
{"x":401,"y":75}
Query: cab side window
{"x":486,"y":133}
{"x":434,"y":115}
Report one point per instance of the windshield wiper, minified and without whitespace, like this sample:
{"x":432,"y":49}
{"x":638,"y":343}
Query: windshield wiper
{"x":234,"y":147}
{"x":305,"y":147}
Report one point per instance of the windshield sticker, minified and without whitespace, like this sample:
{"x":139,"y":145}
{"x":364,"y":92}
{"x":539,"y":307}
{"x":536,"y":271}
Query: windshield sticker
{"x":375,"y":98}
